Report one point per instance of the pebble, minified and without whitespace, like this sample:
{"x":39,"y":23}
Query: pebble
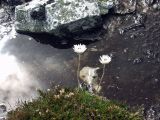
{"x":137,"y":61}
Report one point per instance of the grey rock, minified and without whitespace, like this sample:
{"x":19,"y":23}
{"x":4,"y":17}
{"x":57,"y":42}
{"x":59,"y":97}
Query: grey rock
{"x":153,"y":113}
{"x":3,"y":111}
{"x":3,"y":15}
{"x":124,"y":6}
{"x":156,"y":6}
{"x":105,"y":6}
{"x":3,"y":108}
{"x":149,"y":2}
{"x":15,"y":2}
{"x":2,"y":118}
{"x":138,"y":61}
{"x":60,"y":17}
{"x":38,"y":13}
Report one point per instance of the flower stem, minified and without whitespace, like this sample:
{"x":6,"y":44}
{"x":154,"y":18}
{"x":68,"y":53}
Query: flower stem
{"x":78,"y":69}
{"x":104,"y":66}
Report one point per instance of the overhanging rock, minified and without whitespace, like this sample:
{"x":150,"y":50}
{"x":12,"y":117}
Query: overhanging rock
{"x":60,"y":17}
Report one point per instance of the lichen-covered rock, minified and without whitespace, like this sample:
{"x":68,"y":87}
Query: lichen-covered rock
{"x":105,"y":6}
{"x":60,"y":17}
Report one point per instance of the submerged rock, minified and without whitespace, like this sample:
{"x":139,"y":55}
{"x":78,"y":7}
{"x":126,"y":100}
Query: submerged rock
{"x":60,"y":17}
{"x":89,"y":76}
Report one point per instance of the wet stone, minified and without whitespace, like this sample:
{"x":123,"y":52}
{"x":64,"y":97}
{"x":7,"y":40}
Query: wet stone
{"x":2,"y":118}
{"x":3,"y":108}
{"x":137,"y":61}
{"x":153,"y":113}
{"x":3,"y":111}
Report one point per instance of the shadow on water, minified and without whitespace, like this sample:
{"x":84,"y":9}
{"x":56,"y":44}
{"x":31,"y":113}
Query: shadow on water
{"x":64,"y":42}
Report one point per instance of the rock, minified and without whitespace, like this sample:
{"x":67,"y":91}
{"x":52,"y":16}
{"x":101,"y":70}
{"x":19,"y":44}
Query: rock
{"x":3,"y":111}
{"x":149,"y":2}
{"x":105,"y":6}
{"x":3,"y":108}
{"x":89,"y":76}
{"x":156,"y":6}
{"x":2,"y":118}
{"x":124,"y":6}
{"x":60,"y":17}
{"x":138,"y":61}
{"x":153,"y":113}
{"x":16,"y":2}
{"x":38,"y":13}
{"x":4,"y":16}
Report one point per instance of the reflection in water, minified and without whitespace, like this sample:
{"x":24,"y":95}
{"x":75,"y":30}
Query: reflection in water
{"x":15,"y":80}
{"x":27,"y":65}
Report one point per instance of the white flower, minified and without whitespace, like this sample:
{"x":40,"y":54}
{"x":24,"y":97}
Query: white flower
{"x":48,"y":90}
{"x":80,"y":48}
{"x":62,"y":91}
{"x":105,"y":59}
{"x":56,"y":96}
{"x":69,"y":95}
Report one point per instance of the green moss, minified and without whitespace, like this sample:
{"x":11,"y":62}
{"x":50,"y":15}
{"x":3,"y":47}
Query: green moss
{"x":71,"y":105}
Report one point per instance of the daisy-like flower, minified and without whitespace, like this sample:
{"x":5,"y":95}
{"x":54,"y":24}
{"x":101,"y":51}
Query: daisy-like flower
{"x":105,"y":59}
{"x":80,"y":48}
{"x":48,"y":90}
